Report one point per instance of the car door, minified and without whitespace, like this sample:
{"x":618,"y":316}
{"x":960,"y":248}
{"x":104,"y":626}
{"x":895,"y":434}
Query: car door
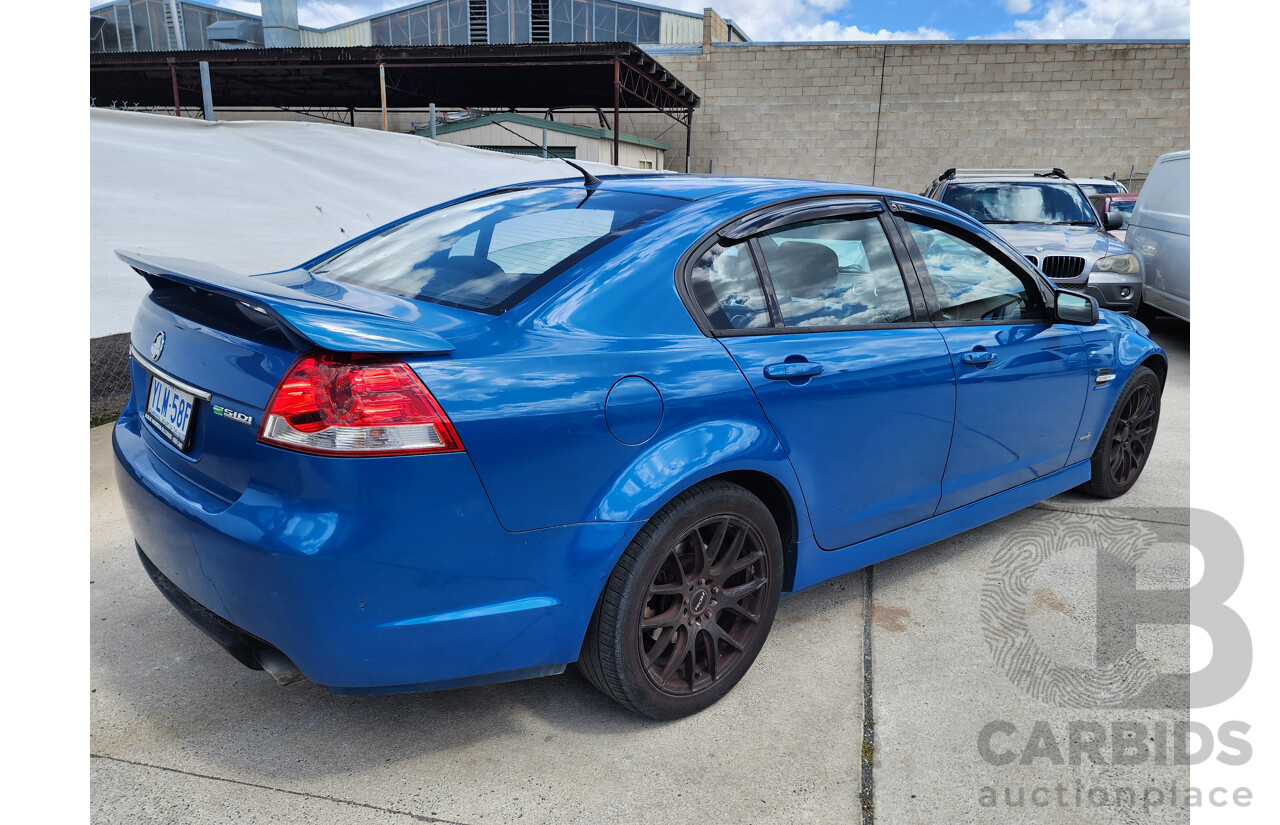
{"x":1021,"y":380}
{"x":831,"y":333}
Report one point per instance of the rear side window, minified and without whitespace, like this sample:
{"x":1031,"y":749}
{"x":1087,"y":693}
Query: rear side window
{"x":835,"y":272}
{"x":488,"y":253}
{"x":726,"y":286}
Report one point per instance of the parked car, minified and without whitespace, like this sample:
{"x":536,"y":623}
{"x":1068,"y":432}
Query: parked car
{"x":1048,"y":219}
{"x":1121,"y":205}
{"x":608,"y":422}
{"x":1160,"y":232}
{"x":1101,"y":186}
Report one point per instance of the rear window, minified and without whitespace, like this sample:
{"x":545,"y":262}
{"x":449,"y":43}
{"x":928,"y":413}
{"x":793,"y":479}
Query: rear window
{"x":1101,"y":188}
{"x":489,"y":253}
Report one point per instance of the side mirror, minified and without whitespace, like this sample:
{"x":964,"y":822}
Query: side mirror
{"x":1113,"y":221}
{"x":1075,"y":308}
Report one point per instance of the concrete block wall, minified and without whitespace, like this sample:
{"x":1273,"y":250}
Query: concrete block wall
{"x":714,"y":28}
{"x":898,"y":114}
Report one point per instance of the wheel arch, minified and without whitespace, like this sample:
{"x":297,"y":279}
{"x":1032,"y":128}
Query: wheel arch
{"x":1159,"y":365}
{"x":762,"y":470}
{"x":781,"y":506}
{"x":737,"y":444}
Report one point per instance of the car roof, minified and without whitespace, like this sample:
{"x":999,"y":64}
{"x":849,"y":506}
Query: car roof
{"x":724,"y":191}
{"x":1009,"y":178}
{"x":698,"y":187}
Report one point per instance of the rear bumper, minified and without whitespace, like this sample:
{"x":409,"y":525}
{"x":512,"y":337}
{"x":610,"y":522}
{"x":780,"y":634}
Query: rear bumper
{"x":370,"y":574}
{"x":245,"y":647}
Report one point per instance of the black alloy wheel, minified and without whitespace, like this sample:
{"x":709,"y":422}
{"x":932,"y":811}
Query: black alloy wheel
{"x":689,"y":605}
{"x":704,"y":605}
{"x":1126,"y":443}
{"x":1131,"y":440}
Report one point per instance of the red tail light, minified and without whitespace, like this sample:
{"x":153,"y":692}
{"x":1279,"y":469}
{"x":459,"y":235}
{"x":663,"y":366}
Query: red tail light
{"x":335,"y":405}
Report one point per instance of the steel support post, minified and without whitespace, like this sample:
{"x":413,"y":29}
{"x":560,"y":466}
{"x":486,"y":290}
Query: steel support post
{"x":177,"y":102}
{"x":206,"y":90}
{"x":382,"y":85}
{"x":617,"y":95}
{"x":688,"y":141}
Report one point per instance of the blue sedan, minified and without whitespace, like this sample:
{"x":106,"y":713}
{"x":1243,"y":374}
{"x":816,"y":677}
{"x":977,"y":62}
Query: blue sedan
{"x":606,"y":422}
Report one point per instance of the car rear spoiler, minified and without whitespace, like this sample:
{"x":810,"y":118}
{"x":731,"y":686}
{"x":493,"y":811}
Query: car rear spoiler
{"x":311,"y":320}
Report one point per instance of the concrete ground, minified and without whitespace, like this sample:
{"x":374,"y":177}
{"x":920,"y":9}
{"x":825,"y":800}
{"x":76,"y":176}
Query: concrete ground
{"x":180,"y":732}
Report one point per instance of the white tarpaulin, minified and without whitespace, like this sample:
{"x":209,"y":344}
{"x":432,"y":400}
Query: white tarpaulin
{"x":258,"y":196}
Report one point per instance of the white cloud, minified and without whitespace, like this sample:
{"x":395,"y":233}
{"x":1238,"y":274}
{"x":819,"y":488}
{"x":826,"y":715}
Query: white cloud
{"x":783,"y":20}
{"x":1017,"y":6}
{"x":1105,"y":19}
{"x":831,"y":30}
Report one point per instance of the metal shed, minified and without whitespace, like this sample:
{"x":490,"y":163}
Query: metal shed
{"x":606,"y":76}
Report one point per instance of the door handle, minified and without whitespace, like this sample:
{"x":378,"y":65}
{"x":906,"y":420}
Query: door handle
{"x":789,"y":370}
{"x":978,"y":359}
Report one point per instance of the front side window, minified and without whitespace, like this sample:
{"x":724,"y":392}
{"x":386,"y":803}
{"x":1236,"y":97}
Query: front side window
{"x":488,"y":253}
{"x":970,"y":284}
{"x":1052,"y":203}
{"x":835,"y":272}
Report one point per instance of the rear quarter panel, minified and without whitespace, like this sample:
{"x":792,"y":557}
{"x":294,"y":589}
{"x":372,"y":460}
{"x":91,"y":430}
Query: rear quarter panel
{"x":529,"y":397}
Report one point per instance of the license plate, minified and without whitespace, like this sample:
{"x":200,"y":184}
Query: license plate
{"x":170,"y":410}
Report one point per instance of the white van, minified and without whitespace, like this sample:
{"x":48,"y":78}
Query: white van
{"x":1160,"y":232}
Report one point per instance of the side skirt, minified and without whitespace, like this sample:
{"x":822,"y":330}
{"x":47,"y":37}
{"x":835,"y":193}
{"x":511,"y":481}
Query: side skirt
{"x":815,"y":565}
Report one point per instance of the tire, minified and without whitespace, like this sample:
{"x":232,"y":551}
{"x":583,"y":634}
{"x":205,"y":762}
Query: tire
{"x":1126,"y":442}
{"x":664,"y":640}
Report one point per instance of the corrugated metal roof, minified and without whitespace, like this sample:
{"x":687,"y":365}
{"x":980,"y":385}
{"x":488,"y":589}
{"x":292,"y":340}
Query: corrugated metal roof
{"x":519,"y":76}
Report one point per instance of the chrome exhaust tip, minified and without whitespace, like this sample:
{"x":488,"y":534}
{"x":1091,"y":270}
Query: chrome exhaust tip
{"x":284,"y":671}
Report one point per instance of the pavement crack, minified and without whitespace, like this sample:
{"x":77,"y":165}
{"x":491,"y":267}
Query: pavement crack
{"x":866,"y":795}
{"x":1108,"y":516}
{"x":379,"y":808}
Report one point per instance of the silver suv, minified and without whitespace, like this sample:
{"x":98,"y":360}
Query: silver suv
{"x":1047,"y":218}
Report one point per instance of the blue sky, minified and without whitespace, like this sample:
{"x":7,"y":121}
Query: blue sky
{"x":878,"y":20}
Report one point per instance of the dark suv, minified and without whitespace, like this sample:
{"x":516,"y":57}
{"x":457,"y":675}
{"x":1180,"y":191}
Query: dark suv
{"x":1047,"y":218}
